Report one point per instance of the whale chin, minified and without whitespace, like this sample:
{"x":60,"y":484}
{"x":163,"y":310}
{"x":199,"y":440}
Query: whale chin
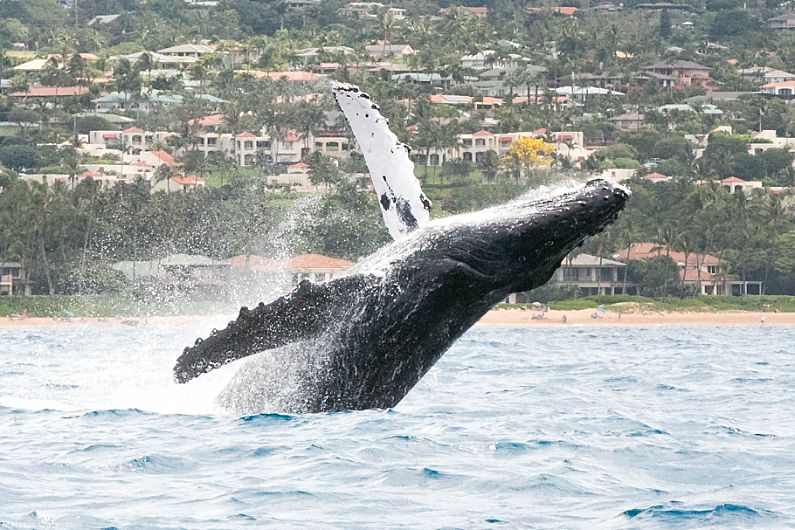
{"x":364,"y":340}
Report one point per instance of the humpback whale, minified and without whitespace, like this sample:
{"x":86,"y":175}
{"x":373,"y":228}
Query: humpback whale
{"x":365,"y":339}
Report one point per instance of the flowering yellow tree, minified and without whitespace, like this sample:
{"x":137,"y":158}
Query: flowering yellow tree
{"x":529,"y":153}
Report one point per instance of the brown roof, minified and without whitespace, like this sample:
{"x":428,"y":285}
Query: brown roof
{"x":166,"y":158}
{"x":316,"y":261}
{"x":212,"y":119}
{"x":655,"y":176}
{"x":186,"y":180}
{"x":287,"y":76}
{"x":644,"y":251}
{"x":51,"y":91}
{"x":299,"y":262}
{"x":732,"y":180}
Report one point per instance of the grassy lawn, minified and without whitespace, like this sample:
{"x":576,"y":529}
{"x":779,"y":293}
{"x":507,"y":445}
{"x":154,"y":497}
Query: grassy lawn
{"x":105,"y":305}
{"x":432,"y":177}
{"x":630,"y":304}
{"x":9,"y":131}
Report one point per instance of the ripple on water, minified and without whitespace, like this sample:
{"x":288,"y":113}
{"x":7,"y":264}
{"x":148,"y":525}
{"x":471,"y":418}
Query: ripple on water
{"x":514,"y":428}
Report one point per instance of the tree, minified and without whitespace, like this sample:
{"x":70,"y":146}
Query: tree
{"x":654,"y":276}
{"x":665,"y":24}
{"x":19,"y":157}
{"x":528,"y":153}
{"x":323,"y":170}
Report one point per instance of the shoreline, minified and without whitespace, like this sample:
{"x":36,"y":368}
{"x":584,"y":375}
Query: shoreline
{"x":585,"y":317}
{"x":495,"y":317}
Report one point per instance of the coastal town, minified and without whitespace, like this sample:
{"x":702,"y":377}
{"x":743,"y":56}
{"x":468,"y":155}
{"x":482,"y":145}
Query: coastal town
{"x":176,"y":135}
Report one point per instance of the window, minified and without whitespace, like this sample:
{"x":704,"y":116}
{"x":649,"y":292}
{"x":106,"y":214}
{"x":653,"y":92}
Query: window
{"x":287,"y":145}
{"x":480,"y":142}
{"x":712,"y":269}
{"x":569,"y":274}
{"x":248,"y":145}
{"x":607,"y":274}
{"x":320,"y":276}
{"x":212,"y":141}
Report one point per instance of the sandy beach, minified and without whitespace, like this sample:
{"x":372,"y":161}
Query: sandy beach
{"x":495,"y":317}
{"x":611,"y":318}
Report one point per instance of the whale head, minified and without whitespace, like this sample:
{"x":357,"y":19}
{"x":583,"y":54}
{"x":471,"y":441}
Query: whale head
{"x":517,"y":246}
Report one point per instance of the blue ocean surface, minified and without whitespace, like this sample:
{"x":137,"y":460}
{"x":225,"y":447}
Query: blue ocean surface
{"x":516,"y":427}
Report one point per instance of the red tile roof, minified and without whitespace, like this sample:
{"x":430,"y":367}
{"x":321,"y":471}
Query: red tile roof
{"x":287,"y":76}
{"x":212,"y":119}
{"x":482,"y":133}
{"x":732,"y":180}
{"x":245,"y":134}
{"x":299,"y":262}
{"x":254,"y":262}
{"x":316,"y":261}
{"x":187,"y":180}
{"x":644,"y":251}
{"x":133,"y":130}
{"x":166,"y":158}
{"x":51,"y":91}
{"x":655,"y":176}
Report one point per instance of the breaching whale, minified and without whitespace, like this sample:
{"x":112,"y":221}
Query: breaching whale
{"x":365,"y":339}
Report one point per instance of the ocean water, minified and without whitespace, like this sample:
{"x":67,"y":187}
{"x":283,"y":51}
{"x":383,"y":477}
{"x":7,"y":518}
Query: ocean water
{"x":516,"y":427}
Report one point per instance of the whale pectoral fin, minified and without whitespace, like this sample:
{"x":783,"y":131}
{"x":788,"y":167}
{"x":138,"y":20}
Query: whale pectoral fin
{"x":300,"y":315}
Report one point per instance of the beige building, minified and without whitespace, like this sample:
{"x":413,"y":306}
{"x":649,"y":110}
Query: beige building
{"x":13,"y":279}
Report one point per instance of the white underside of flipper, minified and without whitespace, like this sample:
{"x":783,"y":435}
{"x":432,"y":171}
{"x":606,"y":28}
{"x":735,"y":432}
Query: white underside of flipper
{"x":403,"y":204}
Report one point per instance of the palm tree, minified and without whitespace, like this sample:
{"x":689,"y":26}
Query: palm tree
{"x":164,"y":172}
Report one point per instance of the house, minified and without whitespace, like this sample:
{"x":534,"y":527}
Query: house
{"x":187,"y":50}
{"x":128,"y":102}
{"x":450,"y":99}
{"x":785,"y":21}
{"x":683,"y":73}
{"x":769,"y":139}
{"x":467,"y":11}
{"x":291,"y":271}
{"x":473,"y":147}
{"x":735,"y":184}
{"x":383,"y":49}
{"x":101,"y":20}
{"x":369,"y":11}
{"x":423,"y":78}
{"x":703,"y":273}
{"x":134,"y":140}
{"x":176,"y":183}
{"x":488,"y":103}
{"x":301,"y":5}
{"x":34,"y":65}
{"x":630,"y":121}
{"x":177,"y":272}
{"x":555,"y":10}
{"x":51,"y":92}
{"x":782,"y":89}
{"x":765,"y":74}
{"x":333,"y":144}
{"x":13,"y":279}
{"x":295,"y":76}
{"x":171,"y":64}
{"x":592,"y":275}
{"x":656,"y":177}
